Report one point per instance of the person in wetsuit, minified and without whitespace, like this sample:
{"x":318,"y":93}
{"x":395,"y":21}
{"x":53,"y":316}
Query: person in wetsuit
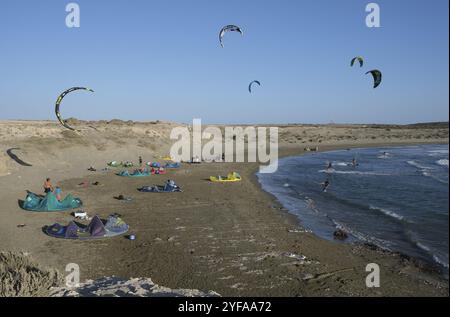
{"x":325,"y":185}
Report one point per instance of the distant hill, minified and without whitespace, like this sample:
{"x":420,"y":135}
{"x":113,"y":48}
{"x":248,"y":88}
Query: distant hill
{"x":430,"y":125}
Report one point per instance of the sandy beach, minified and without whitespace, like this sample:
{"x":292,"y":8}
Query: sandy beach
{"x":231,"y":239}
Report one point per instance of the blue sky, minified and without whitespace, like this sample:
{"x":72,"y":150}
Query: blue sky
{"x":150,"y":60}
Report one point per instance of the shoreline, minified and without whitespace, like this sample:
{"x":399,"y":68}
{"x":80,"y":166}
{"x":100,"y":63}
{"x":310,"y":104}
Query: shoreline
{"x":433,"y":267}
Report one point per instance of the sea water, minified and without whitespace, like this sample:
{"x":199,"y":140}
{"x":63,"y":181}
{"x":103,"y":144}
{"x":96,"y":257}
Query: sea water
{"x":395,"y":197}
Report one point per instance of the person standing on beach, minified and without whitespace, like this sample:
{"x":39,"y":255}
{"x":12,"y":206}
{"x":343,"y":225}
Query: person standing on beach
{"x":142,"y":168}
{"x":48,"y":188}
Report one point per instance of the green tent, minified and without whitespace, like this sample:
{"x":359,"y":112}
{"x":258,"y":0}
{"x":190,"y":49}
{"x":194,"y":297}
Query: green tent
{"x":136,"y":173}
{"x":38,"y":203}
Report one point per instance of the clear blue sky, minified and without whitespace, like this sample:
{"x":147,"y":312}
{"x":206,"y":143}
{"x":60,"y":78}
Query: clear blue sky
{"x":150,"y":60}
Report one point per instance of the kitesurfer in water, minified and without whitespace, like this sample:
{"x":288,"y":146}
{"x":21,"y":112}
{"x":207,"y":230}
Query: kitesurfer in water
{"x":325,"y":185}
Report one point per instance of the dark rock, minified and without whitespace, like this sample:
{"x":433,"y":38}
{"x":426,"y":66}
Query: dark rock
{"x":340,"y":234}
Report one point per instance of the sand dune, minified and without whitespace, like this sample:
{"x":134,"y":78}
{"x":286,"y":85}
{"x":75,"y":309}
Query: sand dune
{"x":44,"y":143}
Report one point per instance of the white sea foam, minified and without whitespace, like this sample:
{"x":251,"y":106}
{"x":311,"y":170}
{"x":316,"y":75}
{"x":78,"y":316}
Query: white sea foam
{"x":435,"y":257}
{"x":418,"y":165}
{"x":353,"y":172}
{"x":328,"y":171}
{"x":387,"y":212}
{"x":443,"y":162}
{"x":423,"y":247}
{"x":439,"y":151}
{"x":363,"y":237}
{"x":427,"y":171}
{"x":440,"y":261}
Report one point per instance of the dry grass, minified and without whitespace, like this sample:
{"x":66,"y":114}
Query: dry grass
{"x":21,"y":276}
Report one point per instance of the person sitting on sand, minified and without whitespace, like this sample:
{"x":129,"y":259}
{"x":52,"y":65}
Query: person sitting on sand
{"x":143,"y":169}
{"x":140,"y":161}
{"x":170,"y":185}
{"x":48,"y":187}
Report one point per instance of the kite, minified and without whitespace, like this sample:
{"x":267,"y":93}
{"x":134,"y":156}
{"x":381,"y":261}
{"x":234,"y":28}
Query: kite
{"x":228,"y":28}
{"x":15,"y":158}
{"x":359,"y":59}
{"x":251,"y":85}
{"x":58,"y":103}
{"x":376,"y":74}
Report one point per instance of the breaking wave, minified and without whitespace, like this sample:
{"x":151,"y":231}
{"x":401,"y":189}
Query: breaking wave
{"x":418,"y":165}
{"x":333,"y":171}
{"x":443,"y":162}
{"x":388,"y":213}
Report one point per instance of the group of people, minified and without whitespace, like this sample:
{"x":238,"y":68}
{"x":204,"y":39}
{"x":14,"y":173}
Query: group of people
{"x":327,"y":183}
{"x":354,"y":163}
{"x":48,"y":186}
